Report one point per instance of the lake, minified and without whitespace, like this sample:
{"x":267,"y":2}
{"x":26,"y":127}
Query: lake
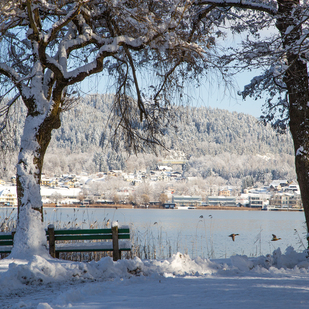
{"x":162,"y":232}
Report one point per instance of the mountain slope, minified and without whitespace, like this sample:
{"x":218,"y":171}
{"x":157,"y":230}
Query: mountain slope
{"x":218,"y":142}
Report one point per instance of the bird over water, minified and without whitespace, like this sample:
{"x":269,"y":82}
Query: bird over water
{"x":233,"y":236}
{"x":275,"y":238}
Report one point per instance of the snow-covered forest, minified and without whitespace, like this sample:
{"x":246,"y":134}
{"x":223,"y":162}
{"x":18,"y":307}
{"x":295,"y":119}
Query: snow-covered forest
{"x":233,"y":147}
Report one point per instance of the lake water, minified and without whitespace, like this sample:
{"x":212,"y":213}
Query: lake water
{"x":160,"y":232}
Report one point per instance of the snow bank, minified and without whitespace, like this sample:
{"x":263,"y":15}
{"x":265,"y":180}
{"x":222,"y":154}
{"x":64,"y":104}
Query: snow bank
{"x":39,"y":270}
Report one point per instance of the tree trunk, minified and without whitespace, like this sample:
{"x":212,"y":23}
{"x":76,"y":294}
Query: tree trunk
{"x":30,"y":238}
{"x":296,"y":80}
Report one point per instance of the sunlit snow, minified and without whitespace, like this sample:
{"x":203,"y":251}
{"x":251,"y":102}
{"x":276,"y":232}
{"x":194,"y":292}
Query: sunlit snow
{"x":272,"y":281}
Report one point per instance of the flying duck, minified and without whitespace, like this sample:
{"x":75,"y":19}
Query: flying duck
{"x":233,"y":236}
{"x":275,"y":238}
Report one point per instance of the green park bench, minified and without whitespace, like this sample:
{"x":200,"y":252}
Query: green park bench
{"x":6,"y":242}
{"x":112,"y":239}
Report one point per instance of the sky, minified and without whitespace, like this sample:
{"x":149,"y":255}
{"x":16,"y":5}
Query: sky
{"x":276,"y":281}
{"x":215,"y":96}
{"x":210,"y":94}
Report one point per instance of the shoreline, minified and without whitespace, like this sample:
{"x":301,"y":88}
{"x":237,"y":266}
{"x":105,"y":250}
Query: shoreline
{"x":121,"y":206}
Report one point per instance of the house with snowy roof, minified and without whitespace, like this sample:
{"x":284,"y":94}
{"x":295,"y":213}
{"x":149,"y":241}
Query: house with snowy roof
{"x":8,"y":196}
{"x":277,"y":185}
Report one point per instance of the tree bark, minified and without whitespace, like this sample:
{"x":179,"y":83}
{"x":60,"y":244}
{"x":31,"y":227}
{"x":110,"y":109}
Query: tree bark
{"x":296,"y":80}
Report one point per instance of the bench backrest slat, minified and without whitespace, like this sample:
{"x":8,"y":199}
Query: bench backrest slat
{"x":89,"y":234}
{"x":124,"y":231}
{"x":82,"y":237}
{"x":88,"y":237}
{"x":6,"y":240}
{"x":90,"y":231}
{"x":6,"y":243}
{"x":83,"y":231}
{"x":7,"y":236}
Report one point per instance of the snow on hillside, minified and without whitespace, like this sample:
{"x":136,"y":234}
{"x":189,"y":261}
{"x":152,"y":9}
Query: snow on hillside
{"x":273,"y":281}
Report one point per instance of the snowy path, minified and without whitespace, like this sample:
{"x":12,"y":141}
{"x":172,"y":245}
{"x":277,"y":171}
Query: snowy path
{"x":193,"y":293}
{"x":277,"y":281}
{"x":140,"y":293}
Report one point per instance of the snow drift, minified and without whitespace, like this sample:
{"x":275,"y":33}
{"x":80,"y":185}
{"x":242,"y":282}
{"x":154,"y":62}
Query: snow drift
{"x":39,"y":270}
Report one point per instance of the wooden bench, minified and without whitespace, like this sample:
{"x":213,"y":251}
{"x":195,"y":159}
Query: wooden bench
{"x":115,"y":240}
{"x":6,"y":242}
{"x":97,"y":240}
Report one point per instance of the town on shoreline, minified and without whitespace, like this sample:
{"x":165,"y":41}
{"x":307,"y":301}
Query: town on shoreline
{"x":160,"y":188}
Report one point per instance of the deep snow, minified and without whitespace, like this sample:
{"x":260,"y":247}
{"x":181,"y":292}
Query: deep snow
{"x":273,"y":281}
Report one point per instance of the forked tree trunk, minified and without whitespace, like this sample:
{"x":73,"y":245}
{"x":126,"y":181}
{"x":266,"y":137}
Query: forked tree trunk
{"x":30,"y":236}
{"x":296,"y":80}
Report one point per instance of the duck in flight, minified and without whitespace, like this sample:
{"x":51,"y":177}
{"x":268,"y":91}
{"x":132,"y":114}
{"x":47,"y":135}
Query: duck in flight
{"x":233,"y":236}
{"x":275,"y":238}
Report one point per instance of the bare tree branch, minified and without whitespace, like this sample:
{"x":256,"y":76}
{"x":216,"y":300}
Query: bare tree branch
{"x":270,"y":8}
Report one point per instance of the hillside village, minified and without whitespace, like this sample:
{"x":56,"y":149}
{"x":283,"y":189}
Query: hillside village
{"x":232,"y":146}
{"x":215,"y":158}
{"x":162,"y":187}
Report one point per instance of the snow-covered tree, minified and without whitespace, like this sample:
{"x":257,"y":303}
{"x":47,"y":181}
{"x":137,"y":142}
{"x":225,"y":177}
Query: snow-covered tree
{"x":277,"y":43}
{"x":49,"y":46}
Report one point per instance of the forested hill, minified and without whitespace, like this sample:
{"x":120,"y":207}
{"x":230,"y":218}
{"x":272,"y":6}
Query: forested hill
{"x":229,"y":145}
{"x":201,"y":131}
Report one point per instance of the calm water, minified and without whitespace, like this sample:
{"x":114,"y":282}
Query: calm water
{"x":167,"y":231}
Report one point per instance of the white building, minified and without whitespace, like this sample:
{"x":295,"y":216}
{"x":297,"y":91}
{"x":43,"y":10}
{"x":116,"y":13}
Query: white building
{"x":8,"y":196}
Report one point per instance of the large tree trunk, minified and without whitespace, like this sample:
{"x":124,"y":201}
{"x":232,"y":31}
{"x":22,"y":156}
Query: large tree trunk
{"x":30,"y":236}
{"x":296,"y":80}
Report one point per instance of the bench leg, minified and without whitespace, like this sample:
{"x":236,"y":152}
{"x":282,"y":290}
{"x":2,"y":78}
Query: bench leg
{"x":116,"y":252}
{"x":51,"y":233}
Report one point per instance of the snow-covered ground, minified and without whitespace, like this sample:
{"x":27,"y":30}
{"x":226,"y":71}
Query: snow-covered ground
{"x":275,"y":281}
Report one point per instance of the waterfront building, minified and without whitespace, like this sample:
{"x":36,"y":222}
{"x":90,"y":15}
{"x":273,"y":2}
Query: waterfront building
{"x":285,"y":200}
{"x":256,"y":201}
{"x":8,"y":196}
{"x":221,"y":201}
{"x":186,"y":201}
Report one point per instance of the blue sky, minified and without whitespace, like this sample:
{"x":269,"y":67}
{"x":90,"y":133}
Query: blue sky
{"x":211,"y":94}
{"x":217,"y":96}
